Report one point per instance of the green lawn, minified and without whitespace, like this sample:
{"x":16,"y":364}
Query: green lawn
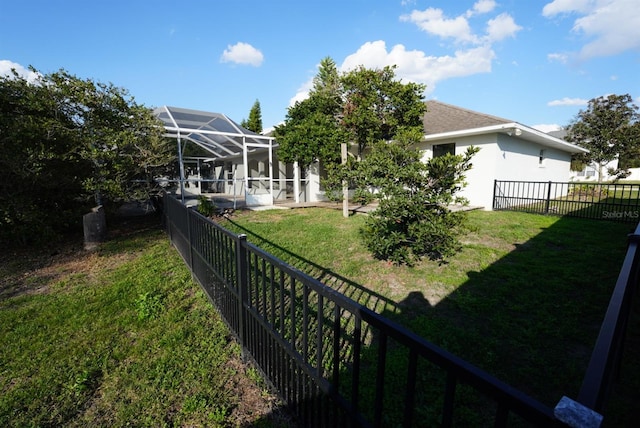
{"x":119,"y":337}
{"x":123,"y":336}
{"x":524,"y":298}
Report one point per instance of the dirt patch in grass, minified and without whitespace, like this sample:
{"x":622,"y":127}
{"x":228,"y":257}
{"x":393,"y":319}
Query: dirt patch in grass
{"x":25,"y":271}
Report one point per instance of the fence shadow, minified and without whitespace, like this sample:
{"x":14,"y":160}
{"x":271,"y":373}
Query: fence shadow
{"x":354,"y":291}
{"x":532,"y":343}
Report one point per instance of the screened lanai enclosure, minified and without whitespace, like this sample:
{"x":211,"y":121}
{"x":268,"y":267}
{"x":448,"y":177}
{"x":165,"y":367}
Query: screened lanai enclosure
{"x":220,"y":159}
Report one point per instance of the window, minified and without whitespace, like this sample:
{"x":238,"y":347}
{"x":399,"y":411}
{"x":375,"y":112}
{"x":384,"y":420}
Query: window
{"x":443,"y":149}
{"x":541,"y":158}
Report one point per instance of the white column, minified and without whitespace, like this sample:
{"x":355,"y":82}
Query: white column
{"x":296,"y":181}
{"x":271,"y":170}
{"x":245,"y":163}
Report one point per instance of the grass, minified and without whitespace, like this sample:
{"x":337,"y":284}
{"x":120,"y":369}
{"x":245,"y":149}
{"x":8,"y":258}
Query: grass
{"x":122,"y":336}
{"x":118,"y":337}
{"x":524,"y":298}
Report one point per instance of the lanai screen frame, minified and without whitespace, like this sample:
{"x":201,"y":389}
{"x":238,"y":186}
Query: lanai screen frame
{"x":216,"y":134}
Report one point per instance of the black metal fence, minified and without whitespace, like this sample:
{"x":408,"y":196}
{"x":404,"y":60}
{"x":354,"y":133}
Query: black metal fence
{"x":333,"y":361}
{"x":602,"y":201}
{"x":606,"y":356}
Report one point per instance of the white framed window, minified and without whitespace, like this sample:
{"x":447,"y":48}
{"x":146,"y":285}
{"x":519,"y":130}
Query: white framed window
{"x":541,"y":158}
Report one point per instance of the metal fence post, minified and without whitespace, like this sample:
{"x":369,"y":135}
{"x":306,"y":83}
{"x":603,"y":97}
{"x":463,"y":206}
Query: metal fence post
{"x":190,"y":238}
{"x":546,"y":205}
{"x":495,"y":185}
{"x":242,"y":281}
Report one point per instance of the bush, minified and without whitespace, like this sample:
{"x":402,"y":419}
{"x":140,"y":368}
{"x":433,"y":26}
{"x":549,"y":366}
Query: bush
{"x":205,"y":206}
{"x":413,"y":219}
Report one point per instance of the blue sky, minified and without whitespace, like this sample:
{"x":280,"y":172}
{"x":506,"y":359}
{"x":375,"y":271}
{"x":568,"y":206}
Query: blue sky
{"x":536,"y":62}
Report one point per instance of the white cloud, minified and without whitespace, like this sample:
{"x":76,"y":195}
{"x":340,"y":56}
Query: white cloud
{"x":568,"y":102}
{"x":502,"y":27}
{"x":547,"y":127}
{"x":242,"y":53}
{"x":558,"y":57}
{"x":6,"y":66}
{"x":434,"y":22}
{"x":412,"y":66}
{"x":557,"y":7}
{"x":416,"y":66}
{"x":303,"y":92}
{"x":611,"y":26}
{"x":480,"y":7}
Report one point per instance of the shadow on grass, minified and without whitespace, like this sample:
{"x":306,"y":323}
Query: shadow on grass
{"x":530,"y":319}
{"x":372,"y":300}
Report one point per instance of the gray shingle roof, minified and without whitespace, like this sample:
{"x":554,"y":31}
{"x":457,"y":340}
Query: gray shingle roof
{"x":441,"y":117}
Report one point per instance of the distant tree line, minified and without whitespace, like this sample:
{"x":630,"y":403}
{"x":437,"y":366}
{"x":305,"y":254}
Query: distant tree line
{"x":67,"y":144}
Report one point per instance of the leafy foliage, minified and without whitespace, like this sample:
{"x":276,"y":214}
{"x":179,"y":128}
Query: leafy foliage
{"x":359,"y":107}
{"x":312,"y":128}
{"x":65,"y":141}
{"x":383,"y":119}
{"x":206,"y":207}
{"x":609,"y":128}
{"x":377,"y":106}
{"x":413,"y":218}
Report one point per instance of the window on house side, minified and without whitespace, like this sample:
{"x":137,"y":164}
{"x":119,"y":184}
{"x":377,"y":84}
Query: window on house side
{"x":443,"y":149}
{"x":541,"y":158}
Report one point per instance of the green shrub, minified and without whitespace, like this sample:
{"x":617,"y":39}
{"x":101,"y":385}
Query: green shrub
{"x":413,"y":219}
{"x":205,"y":206}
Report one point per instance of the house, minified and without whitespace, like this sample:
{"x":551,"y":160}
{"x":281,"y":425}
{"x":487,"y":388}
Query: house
{"x":508,"y":150}
{"x":219,"y":157}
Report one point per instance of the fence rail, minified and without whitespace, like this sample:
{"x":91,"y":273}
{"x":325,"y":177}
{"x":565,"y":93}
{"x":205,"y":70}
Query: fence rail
{"x":602,"y":201}
{"x":607,"y":353}
{"x":333,"y":361}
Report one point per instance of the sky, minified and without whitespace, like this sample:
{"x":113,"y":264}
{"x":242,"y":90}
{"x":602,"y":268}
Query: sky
{"x":536,"y":62}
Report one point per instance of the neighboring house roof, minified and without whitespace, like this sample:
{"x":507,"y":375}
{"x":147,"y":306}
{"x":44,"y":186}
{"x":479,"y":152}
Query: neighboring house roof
{"x":445,"y":121}
{"x":560,"y":133}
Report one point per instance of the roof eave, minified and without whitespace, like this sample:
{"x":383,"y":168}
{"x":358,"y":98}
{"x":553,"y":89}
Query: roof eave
{"x":512,"y":129}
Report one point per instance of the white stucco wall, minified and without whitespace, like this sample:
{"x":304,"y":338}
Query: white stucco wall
{"x":501,"y":157}
{"x":504,"y":157}
{"x":635,"y":175}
